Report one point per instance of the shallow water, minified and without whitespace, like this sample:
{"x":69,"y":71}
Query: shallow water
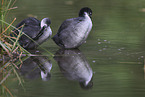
{"x":112,"y":57}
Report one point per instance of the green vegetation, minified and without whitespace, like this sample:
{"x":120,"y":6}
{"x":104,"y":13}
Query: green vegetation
{"x":9,"y":48}
{"x":11,"y":51}
{"x":12,"y":54}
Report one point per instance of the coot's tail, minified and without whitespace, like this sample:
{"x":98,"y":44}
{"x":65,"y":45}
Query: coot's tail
{"x":58,"y":41}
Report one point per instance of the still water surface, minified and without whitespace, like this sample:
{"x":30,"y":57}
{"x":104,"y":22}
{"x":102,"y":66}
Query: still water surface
{"x":109,"y":64}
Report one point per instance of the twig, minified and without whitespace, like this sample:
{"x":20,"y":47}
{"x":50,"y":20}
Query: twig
{"x":20,"y":60}
{"x":8,"y":26}
{"x":15,"y":65}
{"x":5,"y":77}
{"x":5,"y":49}
{"x":12,"y":8}
{"x":15,"y":49}
{"x":13,"y":3}
{"x":7,"y":90}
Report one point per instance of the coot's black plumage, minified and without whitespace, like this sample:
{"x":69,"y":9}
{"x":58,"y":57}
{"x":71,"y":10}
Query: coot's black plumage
{"x":74,"y":66}
{"x":73,"y":32}
{"x":36,"y":30}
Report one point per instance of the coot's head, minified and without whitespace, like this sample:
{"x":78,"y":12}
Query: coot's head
{"x":45,"y":76}
{"x":85,"y":11}
{"x":45,"y":22}
{"x":86,"y":86}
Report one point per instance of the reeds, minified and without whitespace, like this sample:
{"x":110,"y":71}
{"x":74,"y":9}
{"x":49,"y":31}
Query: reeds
{"x":9,"y":46}
{"x":10,"y":50}
{"x":7,"y":42}
{"x":11,"y":53}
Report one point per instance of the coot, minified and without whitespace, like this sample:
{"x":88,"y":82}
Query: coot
{"x":36,"y":30}
{"x":73,"y":32}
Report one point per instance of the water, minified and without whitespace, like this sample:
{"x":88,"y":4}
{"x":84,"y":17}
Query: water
{"x":113,"y":53}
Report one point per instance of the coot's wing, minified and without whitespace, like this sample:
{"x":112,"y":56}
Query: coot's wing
{"x":29,"y":23}
{"x":67,"y":31}
{"x":31,"y":28}
{"x":57,"y":38}
{"x":33,"y":25}
{"x":31,"y":31}
{"x":65,"y":25}
{"x":69,"y":23}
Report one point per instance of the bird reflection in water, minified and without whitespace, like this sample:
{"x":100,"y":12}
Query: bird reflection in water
{"x":74,"y":66}
{"x":33,"y":67}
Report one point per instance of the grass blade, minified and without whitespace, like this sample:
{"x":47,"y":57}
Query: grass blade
{"x":29,"y":38}
{"x":7,"y":90}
